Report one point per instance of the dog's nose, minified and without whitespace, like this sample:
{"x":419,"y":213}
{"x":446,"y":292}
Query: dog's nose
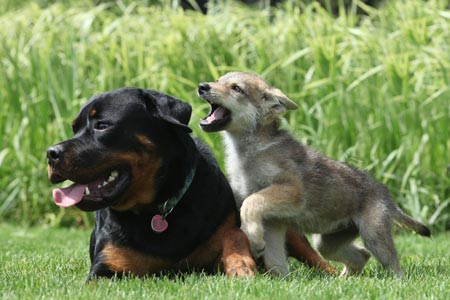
{"x":54,"y":153}
{"x":203,"y":88}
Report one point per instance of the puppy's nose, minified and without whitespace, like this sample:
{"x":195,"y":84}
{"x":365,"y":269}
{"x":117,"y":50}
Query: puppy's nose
{"x":54,"y":153}
{"x":203,"y":88}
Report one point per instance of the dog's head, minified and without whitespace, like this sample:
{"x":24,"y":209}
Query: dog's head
{"x":121,"y":139}
{"x":240,"y":99}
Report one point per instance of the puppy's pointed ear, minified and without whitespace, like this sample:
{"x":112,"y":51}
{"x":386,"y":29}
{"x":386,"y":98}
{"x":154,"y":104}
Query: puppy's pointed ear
{"x":170,"y":109}
{"x":280,"y":102}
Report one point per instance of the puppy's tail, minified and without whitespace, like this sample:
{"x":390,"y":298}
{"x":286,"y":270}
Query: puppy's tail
{"x":404,"y":220}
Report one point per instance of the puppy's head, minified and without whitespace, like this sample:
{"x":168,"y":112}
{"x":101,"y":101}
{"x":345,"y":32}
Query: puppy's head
{"x":241,"y":100}
{"x":121,"y":140}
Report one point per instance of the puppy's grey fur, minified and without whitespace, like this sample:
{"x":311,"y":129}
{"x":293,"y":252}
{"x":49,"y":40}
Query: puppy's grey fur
{"x":280,"y":182}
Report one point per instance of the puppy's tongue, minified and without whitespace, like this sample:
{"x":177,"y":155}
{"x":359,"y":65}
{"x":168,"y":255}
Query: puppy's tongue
{"x":69,"y":196}
{"x":217,"y":114}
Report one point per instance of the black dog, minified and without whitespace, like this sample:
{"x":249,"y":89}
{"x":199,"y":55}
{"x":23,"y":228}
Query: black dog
{"x":161,"y":201}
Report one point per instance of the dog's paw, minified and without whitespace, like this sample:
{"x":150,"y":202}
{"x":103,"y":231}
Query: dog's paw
{"x":240,"y":266}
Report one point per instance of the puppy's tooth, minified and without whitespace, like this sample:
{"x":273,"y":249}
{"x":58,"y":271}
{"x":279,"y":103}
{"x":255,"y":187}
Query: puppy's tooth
{"x":111,"y":179}
{"x":105,"y":183}
{"x":99,"y":186}
{"x":115,"y":173}
{"x":87,"y":192}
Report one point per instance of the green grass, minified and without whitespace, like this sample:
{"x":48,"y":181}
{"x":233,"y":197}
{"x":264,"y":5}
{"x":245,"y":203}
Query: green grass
{"x":373,"y":90}
{"x":46,"y":263}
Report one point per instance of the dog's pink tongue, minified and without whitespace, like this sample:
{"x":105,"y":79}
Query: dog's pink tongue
{"x":69,"y":196}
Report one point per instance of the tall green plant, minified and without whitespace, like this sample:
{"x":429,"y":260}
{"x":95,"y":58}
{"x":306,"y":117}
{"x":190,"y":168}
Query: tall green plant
{"x":373,"y":90}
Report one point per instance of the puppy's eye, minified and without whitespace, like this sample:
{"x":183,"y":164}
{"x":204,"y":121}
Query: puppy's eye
{"x":101,"y":125}
{"x":236,"y":88}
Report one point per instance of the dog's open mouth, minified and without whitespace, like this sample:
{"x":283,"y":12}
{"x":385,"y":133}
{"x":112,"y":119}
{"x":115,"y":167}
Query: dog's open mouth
{"x":103,"y":191}
{"x":217,"y":118}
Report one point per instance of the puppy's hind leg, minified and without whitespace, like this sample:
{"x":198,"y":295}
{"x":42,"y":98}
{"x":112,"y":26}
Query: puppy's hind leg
{"x":377,"y":237}
{"x":275,"y":258}
{"x":339,"y":247}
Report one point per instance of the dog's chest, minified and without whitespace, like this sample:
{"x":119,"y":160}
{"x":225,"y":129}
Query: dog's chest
{"x":248,"y":169}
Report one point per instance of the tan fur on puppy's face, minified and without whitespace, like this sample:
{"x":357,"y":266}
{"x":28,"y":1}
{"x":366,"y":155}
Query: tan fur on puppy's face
{"x":250,"y":99}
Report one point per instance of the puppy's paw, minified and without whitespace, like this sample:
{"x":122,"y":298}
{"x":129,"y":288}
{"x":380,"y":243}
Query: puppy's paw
{"x":279,"y":270}
{"x":345,"y":272}
{"x":356,"y":266}
{"x":349,"y":271}
{"x":258,"y":247}
{"x":255,"y":234}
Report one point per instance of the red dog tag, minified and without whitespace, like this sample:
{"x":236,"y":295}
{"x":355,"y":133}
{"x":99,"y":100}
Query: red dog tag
{"x":159,"y":224}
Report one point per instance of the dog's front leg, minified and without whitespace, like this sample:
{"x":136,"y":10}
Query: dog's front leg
{"x":236,"y":257}
{"x":274,"y":203}
{"x":299,"y":248}
{"x":114,"y":260}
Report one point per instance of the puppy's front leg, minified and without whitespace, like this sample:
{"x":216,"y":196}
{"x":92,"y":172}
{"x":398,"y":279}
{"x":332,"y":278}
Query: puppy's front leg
{"x":252,"y":223}
{"x":275,"y":202}
{"x":275,"y":258}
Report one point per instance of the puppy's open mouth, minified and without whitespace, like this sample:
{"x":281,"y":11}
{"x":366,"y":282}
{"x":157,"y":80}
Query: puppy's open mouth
{"x":217,"y":118}
{"x":104,"y":191}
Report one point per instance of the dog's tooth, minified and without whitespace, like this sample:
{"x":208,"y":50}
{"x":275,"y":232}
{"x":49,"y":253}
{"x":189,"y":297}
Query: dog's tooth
{"x":99,"y":186}
{"x":115,"y":173}
{"x":111,"y":178}
{"x":105,"y":183}
{"x":87,"y":192}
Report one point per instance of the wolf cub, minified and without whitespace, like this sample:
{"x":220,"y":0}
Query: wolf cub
{"x":280,"y":183}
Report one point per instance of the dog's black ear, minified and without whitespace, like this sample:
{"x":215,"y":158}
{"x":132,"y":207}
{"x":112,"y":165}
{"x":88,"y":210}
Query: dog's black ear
{"x":170,"y":109}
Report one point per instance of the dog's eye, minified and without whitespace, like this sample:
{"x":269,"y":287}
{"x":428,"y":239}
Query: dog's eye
{"x":74,"y":128}
{"x":101,"y":125}
{"x":236,"y":88}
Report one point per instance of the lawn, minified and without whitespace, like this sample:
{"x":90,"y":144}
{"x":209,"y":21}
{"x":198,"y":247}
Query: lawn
{"x":48,"y":263}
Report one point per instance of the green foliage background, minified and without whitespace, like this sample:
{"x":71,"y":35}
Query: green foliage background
{"x":373,"y":89}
